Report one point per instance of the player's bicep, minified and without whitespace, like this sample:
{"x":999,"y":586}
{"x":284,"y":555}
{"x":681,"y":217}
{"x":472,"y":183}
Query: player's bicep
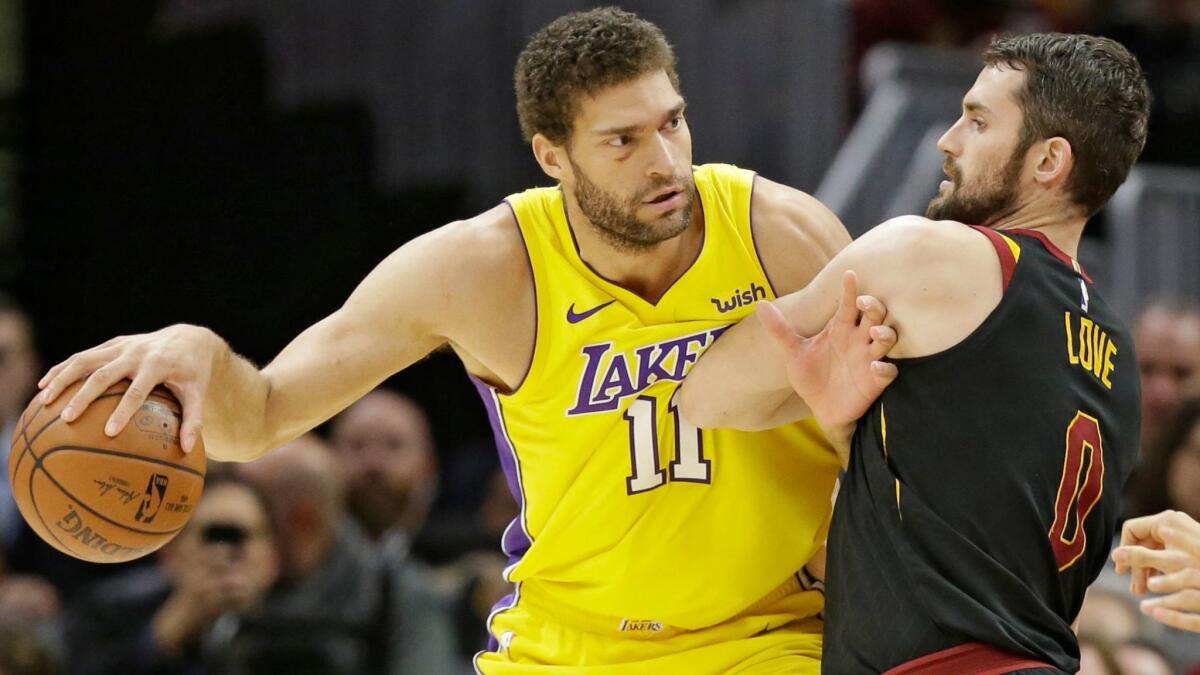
{"x":741,"y":381}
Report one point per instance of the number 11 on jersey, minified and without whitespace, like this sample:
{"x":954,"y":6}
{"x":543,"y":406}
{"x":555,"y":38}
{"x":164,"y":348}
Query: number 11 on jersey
{"x":688,"y":464}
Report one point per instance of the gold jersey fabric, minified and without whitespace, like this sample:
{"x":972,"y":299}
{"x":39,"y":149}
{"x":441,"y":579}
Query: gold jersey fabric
{"x":628,"y":512}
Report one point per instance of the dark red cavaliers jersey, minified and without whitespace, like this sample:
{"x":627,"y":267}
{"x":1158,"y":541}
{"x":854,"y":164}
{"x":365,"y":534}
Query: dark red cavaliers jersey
{"x":985,"y":484}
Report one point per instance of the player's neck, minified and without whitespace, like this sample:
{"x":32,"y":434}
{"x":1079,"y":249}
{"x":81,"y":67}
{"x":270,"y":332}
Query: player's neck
{"x":1064,"y":231}
{"x":647,"y":272}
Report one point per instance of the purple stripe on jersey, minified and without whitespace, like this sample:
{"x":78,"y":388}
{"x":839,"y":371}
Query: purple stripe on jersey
{"x":507,"y":602}
{"x":753,"y":243}
{"x":516,"y":539}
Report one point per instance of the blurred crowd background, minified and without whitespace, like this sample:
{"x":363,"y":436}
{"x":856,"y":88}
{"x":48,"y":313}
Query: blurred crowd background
{"x":243,"y":163}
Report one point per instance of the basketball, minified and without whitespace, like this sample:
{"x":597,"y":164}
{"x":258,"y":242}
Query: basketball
{"x":104,"y":499}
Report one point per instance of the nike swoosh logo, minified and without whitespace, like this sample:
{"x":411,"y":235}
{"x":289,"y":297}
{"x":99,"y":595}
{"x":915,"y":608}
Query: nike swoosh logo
{"x":576,"y":318}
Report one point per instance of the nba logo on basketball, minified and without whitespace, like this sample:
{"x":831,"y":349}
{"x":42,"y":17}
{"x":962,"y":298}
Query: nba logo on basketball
{"x":156,"y":490}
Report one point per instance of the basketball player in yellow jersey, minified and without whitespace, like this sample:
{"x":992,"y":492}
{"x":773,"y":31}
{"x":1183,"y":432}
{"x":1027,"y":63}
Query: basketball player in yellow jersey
{"x":643,"y":545}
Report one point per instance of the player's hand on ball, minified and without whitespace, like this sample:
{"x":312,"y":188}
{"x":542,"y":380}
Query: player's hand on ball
{"x":178,"y":357}
{"x":1162,"y":552}
{"x":838,"y":372}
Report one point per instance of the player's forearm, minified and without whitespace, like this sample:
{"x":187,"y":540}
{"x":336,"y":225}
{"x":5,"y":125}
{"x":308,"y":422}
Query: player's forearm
{"x":739,"y":383}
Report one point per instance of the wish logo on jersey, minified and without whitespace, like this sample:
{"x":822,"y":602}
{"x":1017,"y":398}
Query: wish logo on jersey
{"x":611,"y":376}
{"x":740,"y":299}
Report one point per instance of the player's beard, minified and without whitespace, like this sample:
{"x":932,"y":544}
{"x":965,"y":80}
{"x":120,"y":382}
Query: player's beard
{"x":980,"y":202}
{"x":616,"y":219}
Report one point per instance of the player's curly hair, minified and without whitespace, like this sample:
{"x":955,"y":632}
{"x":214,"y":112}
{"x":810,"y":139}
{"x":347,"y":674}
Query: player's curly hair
{"x":577,"y":55}
{"x":1089,"y":90}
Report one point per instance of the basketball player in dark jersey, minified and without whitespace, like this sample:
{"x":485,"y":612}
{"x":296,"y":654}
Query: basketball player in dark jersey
{"x":983,"y":487}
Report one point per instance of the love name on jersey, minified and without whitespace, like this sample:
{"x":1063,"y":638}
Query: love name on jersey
{"x":1090,"y":348}
{"x":611,"y":376}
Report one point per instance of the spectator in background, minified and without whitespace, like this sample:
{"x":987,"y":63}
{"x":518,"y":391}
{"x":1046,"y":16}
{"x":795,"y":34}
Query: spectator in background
{"x":386,"y":454}
{"x":1141,"y":657}
{"x":26,"y":600}
{"x":1096,"y":658}
{"x":1169,"y":477}
{"x":1166,"y":336}
{"x":340,"y":607}
{"x":18,"y":374}
{"x":22,"y":654}
{"x":182,"y":616}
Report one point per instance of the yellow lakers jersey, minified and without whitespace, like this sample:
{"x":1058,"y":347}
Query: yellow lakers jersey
{"x":627,"y":510}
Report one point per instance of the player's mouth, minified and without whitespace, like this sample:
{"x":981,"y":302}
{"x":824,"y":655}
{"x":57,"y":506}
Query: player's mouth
{"x":666,"y":200}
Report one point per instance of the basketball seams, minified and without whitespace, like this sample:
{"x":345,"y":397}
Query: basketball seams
{"x":29,"y":441}
{"x":33,"y":500}
{"x":121,"y":454}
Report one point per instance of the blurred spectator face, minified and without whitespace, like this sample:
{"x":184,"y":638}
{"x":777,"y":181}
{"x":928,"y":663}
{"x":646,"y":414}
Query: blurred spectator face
{"x":1183,"y":475}
{"x":1168,"y":351}
{"x":982,"y":162}
{"x":1093,"y":660}
{"x":386,"y":453}
{"x":305,"y":494}
{"x":1108,"y":617}
{"x":228,"y":546}
{"x":1136,"y":659}
{"x":18,"y":365}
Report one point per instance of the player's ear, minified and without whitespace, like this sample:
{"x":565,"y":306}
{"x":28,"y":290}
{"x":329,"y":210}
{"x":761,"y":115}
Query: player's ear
{"x":1054,"y":162}
{"x":550,"y":156}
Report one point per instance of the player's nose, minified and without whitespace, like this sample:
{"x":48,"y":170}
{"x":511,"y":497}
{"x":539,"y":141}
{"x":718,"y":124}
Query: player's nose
{"x":948,"y":143}
{"x":663,"y":156}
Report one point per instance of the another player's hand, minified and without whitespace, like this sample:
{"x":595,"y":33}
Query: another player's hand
{"x":838,"y":372}
{"x":1163,"y":554}
{"x":179,"y":357}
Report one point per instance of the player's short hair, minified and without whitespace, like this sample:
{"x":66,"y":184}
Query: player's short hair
{"x":577,"y":55}
{"x":1089,"y":90}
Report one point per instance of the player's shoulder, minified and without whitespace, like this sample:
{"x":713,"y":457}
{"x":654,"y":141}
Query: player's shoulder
{"x":483,"y":261}
{"x":930,"y":240}
{"x":916,"y":251}
{"x":794,"y":233}
{"x":485,"y":249}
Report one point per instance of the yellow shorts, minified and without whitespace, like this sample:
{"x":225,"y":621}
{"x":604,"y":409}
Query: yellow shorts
{"x":779,"y":634}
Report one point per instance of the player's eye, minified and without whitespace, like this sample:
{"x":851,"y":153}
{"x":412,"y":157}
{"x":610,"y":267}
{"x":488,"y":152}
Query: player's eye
{"x":675,"y":123}
{"x":619,"y":141}
{"x":977,"y":123}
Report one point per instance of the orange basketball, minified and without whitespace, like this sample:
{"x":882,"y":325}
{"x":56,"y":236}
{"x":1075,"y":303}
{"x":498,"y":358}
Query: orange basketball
{"x":105,"y":499}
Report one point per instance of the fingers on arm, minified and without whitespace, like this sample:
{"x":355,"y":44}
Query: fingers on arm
{"x":847,"y":311}
{"x":777,"y":326}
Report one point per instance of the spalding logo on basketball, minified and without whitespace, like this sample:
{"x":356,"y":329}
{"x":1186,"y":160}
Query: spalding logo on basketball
{"x":105,"y":499}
